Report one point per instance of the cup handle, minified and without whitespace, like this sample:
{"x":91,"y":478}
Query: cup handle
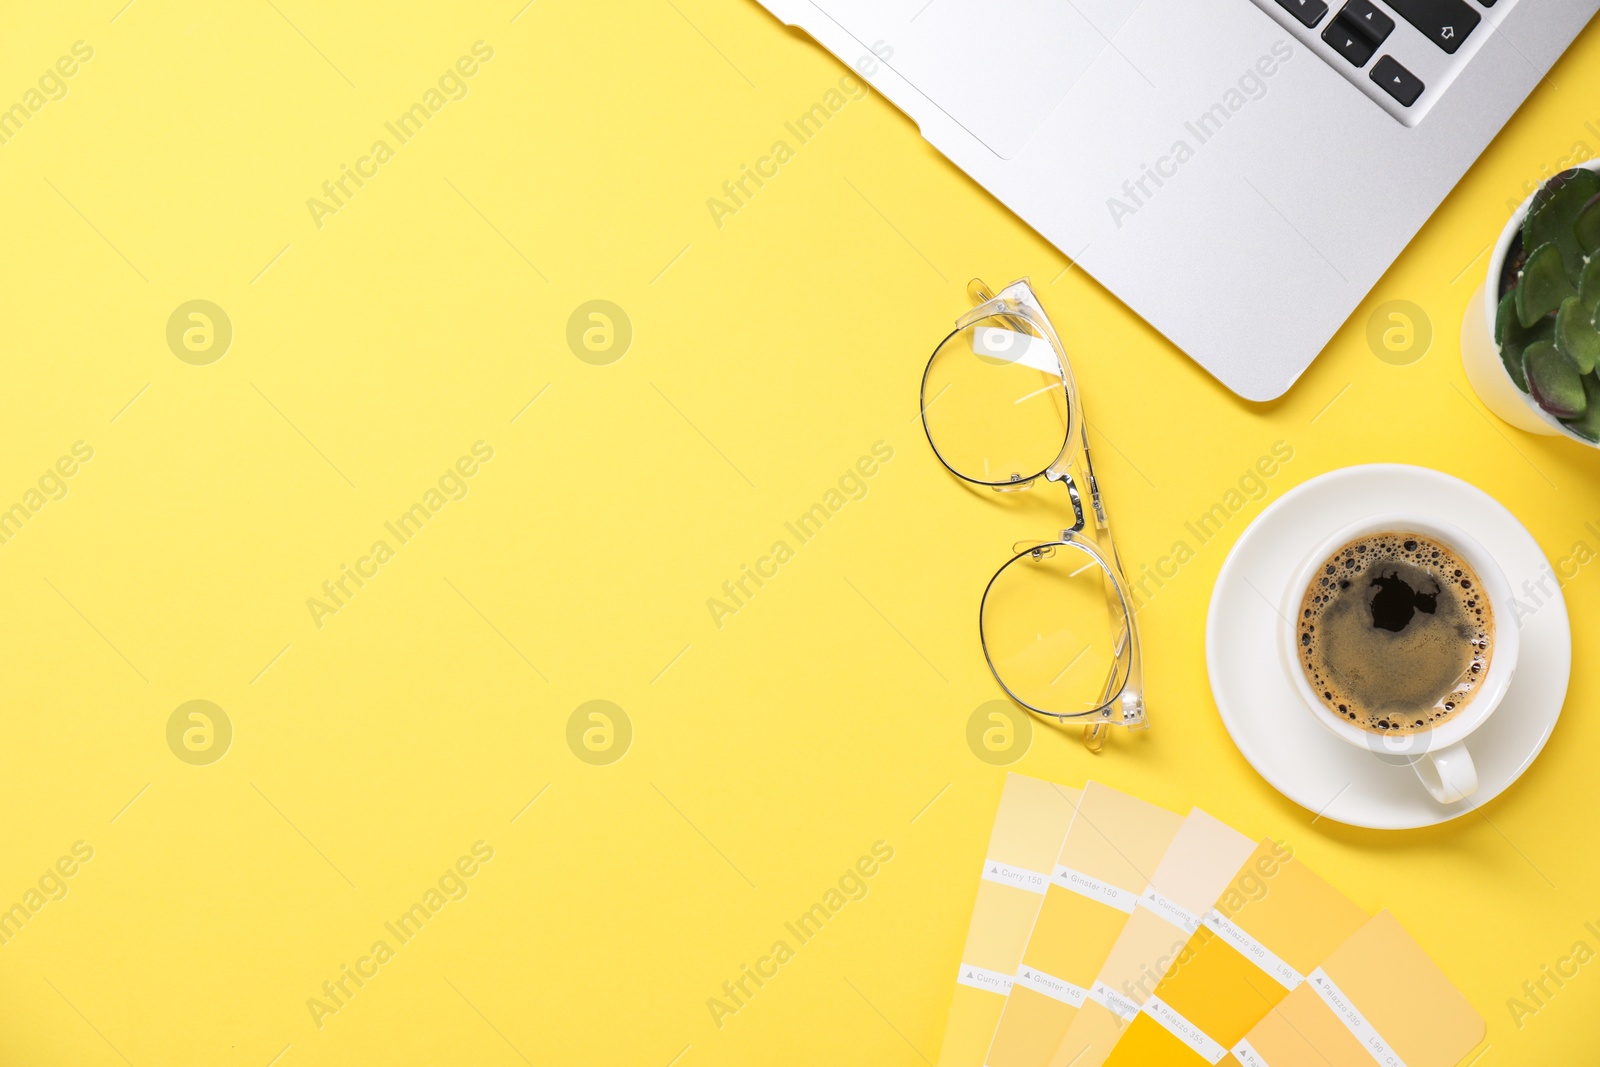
{"x":1448,"y":774}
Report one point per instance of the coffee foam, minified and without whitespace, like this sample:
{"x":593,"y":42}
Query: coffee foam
{"x":1395,"y":633}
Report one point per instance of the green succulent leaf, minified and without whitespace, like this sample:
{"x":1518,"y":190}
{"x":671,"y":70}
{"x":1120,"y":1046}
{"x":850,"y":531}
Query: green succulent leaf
{"x":1587,"y":426}
{"x":1516,"y":259}
{"x":1543,"y":286}
{"x":1581,"y":177}
{"x":1588,"y":225}
{"x":1513,"y":338}
{"x":1553,"y":381}
{"x":1576,"y":335}
{"x":1553,"y":215}
{"x":1589,"y":284}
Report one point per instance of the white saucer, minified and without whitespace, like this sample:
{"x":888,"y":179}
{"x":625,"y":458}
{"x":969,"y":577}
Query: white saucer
{"x":1261,"y":709}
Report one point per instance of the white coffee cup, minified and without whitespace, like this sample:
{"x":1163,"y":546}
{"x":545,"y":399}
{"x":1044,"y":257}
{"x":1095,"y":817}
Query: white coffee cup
{"x":1439,"y":755}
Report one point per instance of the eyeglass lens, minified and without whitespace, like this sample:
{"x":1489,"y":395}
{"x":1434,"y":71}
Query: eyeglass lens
{"x":994,"y":402}
{"x":1054,"y":638}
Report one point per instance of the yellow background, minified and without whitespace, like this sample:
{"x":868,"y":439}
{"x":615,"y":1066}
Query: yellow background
{"x":767,"y":356}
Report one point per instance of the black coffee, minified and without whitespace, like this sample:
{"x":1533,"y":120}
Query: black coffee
{"x":1395,"y":633}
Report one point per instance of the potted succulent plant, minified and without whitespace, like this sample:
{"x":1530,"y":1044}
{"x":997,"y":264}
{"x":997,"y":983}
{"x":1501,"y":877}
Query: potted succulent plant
{"x":1532,"y":350}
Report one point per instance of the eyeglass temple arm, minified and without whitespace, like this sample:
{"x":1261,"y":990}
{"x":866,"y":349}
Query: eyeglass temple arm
{"x":1120,"y":606}
{"x":1132,"y":702}
{"x":1132,"y":705}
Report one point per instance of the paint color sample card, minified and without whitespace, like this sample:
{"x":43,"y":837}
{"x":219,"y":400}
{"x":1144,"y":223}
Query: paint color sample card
{"x":1276,"y":922}
{"x":1195,"y":872}
{"x":1113,"y":848}
{"x":1028,"y":830}
{"x":1377,"y":999}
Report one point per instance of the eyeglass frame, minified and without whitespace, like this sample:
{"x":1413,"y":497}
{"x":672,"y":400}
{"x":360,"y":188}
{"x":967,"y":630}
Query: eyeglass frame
{"x":1120,"y":705}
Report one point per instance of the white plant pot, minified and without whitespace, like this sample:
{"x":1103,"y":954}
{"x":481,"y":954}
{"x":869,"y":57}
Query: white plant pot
{"x":1480,"y":356}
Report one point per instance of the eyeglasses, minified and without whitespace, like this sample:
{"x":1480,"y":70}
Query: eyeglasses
{"x":1056,"y":621}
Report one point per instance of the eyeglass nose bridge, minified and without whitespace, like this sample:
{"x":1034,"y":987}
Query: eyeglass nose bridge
{"x":1079,"y":516}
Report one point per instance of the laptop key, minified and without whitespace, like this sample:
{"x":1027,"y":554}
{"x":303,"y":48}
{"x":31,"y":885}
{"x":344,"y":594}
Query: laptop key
{"x":1365,"y":15}
{"x":1309,"y":12}
{"x":1444,"y":22}
{"x":1350,"y":41}
{"x":1397,"y":81}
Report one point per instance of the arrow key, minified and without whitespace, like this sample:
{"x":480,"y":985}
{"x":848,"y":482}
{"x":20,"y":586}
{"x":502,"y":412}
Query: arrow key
{"x":1397,"y":81}
{"x":1309,"y":12}
{"x":1350,"y":41}
{"x":1366,"y":16}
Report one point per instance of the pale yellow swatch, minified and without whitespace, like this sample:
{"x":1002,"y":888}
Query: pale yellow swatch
{"x":1028,"y":830}
{"x":1204,"y":857}
{"x":1110,"y":853}
{"x":1296,"y":920}
{"x":1386,"y":997}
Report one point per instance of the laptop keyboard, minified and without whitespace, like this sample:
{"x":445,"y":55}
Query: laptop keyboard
{"x":1419,"y":45}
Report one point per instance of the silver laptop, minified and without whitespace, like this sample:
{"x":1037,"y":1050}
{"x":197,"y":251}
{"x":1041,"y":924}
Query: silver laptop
{"x":1239,"y":172}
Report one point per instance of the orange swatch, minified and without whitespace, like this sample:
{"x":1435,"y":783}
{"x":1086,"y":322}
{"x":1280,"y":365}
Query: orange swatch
{"x":1378,"y":999}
